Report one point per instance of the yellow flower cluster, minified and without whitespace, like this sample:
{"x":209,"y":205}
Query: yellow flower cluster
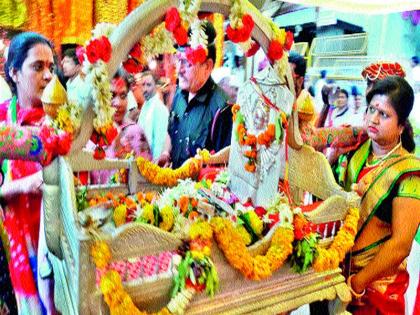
{"x":167,"y":176}
{"x":244,"y":234}
{"x":234,"y":248}
{"x":202,"y":230}
{"x":68,"y":118}
{"x":256,"y":223}
{"x":148,"y":214}
{"x":120,"y":214}
{"x":101,"y":254}
{"x":167,"y":215}
{"x":342,"y":243}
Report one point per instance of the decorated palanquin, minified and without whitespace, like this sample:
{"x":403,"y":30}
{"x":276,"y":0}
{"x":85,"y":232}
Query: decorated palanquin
{"x":160,"y":240}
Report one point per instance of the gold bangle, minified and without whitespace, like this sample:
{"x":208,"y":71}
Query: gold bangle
{"x":354,"y":293}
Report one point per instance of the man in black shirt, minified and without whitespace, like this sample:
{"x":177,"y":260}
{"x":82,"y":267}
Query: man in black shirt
{"x":200,"y":116}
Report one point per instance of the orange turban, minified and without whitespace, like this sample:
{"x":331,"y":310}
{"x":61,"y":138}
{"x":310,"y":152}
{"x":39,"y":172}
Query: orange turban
{"x":381,"y":70}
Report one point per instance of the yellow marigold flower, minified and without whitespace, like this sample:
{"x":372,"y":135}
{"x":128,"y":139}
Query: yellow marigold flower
{"x":201,"y":229}
{"x":167,"y":216}
{"x":120,"y":214}
{"x":101,"y":254}
{"x":147,"y":213}
{"x":256,"y":223}
{"x":262,"y":268}
{"x":197,"y":255}
{"x":244,"y":234}
{"x":110,"y":282}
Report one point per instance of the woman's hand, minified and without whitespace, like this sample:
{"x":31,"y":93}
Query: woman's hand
{"x":29,"y":184}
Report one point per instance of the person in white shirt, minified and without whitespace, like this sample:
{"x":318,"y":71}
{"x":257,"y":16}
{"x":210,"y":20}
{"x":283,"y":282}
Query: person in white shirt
{"x":77,"y":90}
{"x":339,"y":114}
{"x":153,"y":116}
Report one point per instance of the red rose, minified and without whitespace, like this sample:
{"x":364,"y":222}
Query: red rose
{"x":99,"y":153}
{"x":194,"y":56}
{"x":234,"y":35}
{"x":105,"y":48}
{"x":248,"y":25}
{"x":92,"y":51}
{"x":172,"y":19}
{"x":64,"y":143}
{"x":252,"y":51}
{"x":289,"y":40}
{"x":136,"y":52}
{"x":275,"y":50}
{"x":260,"y":211}
{"x":180,"y":35}
{"x":80,"y":53}
{"x":132,"y":66}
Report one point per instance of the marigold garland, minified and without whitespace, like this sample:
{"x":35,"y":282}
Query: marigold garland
{"x":166,"y":176}
{"x":234,"y":248}
{"x":342,"y":243}
{"x":116,"y":297}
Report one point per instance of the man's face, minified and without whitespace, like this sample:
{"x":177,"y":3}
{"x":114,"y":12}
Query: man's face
{"x":70,"y":68}
{"x":119,"y":100}
{"x":149,"y":86}
{"x":341,"y":100}
{"x":192,"y":77}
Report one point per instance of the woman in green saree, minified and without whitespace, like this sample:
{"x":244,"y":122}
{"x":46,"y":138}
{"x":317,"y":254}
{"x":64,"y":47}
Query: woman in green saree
{"x":387,"y":177}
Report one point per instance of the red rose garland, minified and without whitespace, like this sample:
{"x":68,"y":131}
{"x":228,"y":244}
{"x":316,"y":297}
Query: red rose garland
{"x":275,"y":50}
{"x":241,"y":34}
{"x":173,"y":23}
{"x":99,"y":48}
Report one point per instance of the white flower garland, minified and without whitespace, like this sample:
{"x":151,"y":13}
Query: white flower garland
{"x":159,"y":43}
{"x":198,"y":35}
{"x":97,"y":78}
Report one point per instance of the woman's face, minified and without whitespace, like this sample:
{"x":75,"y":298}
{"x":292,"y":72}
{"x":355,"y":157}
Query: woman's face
{"x":36,"y":72}
{"x":119,"y":100}
{"x":382,"y":121}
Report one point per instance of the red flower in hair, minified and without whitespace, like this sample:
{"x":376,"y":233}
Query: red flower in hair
{"x":80,"y":53}
{"x":180,"y":35}
{"x":172,"y":19}
{"x":275,"y":50}
{"x":132,"y":66}
{"x":194,"y":56}
{"x":289,"y":40}
{"x":254,"y":48}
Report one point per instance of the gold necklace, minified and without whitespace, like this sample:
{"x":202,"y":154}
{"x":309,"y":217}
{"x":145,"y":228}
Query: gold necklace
{"x":383,"y":157}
